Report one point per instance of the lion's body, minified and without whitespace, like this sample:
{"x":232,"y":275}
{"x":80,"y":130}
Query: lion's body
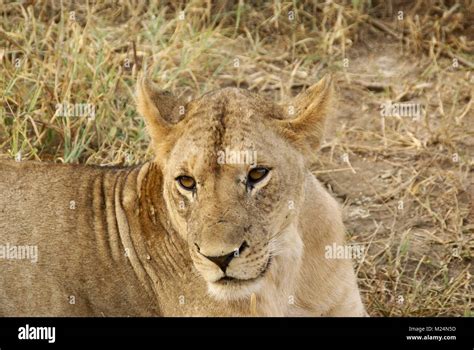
{"x":85,"y":266}
{"x":127,"y":241}
{"x":84,"y":269}
{"x":68,"y":212}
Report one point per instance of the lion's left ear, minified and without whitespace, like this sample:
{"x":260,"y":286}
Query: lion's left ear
{"x":306,"y":115}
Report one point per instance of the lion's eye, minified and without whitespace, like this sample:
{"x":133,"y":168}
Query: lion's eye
{"x":256,"y":175}
{"x":186,"y":182}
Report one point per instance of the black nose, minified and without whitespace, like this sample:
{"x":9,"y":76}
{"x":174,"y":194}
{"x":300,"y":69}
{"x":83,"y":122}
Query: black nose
{"x":224,"y":260}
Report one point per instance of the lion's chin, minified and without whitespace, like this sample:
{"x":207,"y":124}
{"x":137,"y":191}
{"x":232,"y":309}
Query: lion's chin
{"x":235,"y":289}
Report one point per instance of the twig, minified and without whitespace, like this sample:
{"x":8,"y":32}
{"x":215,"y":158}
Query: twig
{"x":331,"y":170}
{"x":376,"y":87}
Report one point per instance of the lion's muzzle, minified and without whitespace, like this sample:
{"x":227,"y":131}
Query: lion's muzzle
{"x":223,"y":261}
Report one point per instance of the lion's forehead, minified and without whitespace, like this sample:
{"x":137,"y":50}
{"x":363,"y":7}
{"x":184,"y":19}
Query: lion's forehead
{"x":231,"y":127}
{"x":211,"y":149}
{"x":216,"y":127}
{"x":229,"y":108}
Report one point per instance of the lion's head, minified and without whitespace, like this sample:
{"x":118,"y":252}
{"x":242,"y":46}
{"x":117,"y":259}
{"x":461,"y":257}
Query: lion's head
{"x":233,"y":168}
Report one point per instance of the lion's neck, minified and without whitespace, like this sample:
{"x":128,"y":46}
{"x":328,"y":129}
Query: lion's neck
{"x":154,"y":253}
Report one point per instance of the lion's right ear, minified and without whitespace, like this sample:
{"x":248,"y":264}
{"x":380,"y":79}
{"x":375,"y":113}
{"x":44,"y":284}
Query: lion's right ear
{"x":311,"y":109}
{"x":160,"y":109}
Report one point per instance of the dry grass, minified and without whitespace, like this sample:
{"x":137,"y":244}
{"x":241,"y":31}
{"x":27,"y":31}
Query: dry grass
{"x":407,"y":184}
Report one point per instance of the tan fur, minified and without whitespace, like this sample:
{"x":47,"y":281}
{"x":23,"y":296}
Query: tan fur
{"x":134,"y":242}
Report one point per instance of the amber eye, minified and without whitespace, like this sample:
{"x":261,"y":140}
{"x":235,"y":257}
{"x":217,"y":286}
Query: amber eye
{"x":186,"y":182}
{"x":256,"y":175}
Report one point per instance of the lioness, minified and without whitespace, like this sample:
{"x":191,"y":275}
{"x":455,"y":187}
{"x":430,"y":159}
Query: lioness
{"x":191,"y":233}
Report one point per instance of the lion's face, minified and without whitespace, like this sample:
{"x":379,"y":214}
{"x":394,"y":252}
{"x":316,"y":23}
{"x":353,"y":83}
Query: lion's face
{"x":232,"y":185}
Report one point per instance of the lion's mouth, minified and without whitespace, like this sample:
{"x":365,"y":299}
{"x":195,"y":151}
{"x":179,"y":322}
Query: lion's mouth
{"x":228,"y":280}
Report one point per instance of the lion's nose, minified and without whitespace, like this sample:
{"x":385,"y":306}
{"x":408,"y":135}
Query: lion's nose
{"x":224,"y":260}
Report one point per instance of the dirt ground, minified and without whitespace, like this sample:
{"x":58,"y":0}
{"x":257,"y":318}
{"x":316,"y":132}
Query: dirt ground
{"x":406,"y":195}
